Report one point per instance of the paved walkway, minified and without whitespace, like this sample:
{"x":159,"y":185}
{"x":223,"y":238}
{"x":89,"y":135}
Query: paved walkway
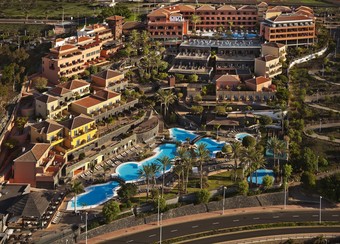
{"x":312,"y":73}
{"x":322,"y":107}
{"x":128,"y":231}
{"x":321,"y":137}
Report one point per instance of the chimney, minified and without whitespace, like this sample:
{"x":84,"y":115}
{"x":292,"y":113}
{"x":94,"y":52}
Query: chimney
{"x":171,"y":81}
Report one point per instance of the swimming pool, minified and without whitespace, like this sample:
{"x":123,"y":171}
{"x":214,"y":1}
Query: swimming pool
{"x":260,"y":174}
{"x":94,"y":195}
{"x":240,"y":136}
{"x":98,"y":194}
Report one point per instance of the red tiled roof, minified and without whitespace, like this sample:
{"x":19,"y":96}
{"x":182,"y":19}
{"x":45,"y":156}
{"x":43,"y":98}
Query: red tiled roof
{"x":76,"y":122}
{"x":46,"y":98}
{"x":258,"y":80}
{"x":47,"y":126}
{"x":283,"y":9}
{"x":205,"y":8}
{"x":84,"y":38}
{"x":108,"y":74}
{"x":105,"y":94}
{"x":74,"y":84}
{"x":247,"y":7}
{"x":273,"y":44}
{"x":267,"y":58}
{"x":289,"y":17}
{"x":227,"y":7}
{"x":262,"y":4}
{"x":228,"y":78}
{"x":59,"y":91}
{"x":33,"y":152}
{"x":88,"y":102}
{"x":115,"y":17}
{"x":64,"y":48}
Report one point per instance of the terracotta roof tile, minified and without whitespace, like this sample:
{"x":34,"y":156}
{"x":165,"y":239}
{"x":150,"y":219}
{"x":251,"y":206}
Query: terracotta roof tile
{"x":47,"y":126}
{"x":227,"y":7}
{"x":115,"y":17}
{"x":228,"y":78}
{"x":76,"y":122}
{"x":46,"y":98}
{"x":205,"y":8}
{"x":74,"y":84}
{"x":273,"y":44}
{"x":267,"y":58}
{"x":258,"y":80}
{"x":247,"y":7}
{"x":59,"y":91}
{"x":108,"y":74}
{"x":33,"y":152}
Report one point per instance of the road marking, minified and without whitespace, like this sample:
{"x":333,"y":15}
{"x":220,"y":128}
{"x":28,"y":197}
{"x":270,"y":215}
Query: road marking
{"x":335,"y":215}
{"x":173,"y":230}
{"x":256,"y":218}
{"x":129,"y":241}
{"x":315,"y":215}
{"x":195,"y":226}
{"x":216,"y":223}
{"x":152,"y":235}
{"x":295,"y":216}
{"x":275,"y":217}
{"x":236,"y":220}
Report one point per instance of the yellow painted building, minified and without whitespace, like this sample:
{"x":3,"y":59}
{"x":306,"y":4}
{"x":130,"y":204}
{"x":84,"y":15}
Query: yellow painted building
{"x":79,"y":131}
{"x":47,"y":131}
{"x":100,"y":101}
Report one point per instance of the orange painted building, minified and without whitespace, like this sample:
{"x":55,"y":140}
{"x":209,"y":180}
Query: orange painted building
{"x":170,"y":24}
{"x":291,"y":29}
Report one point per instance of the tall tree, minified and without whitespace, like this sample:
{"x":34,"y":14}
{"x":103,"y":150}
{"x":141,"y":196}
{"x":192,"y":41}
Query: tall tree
{"x":236,"y":148}
{"x":203,"y":155}
{"x":195,"y":19}
{"x":166,"y":98}
{"x":146,"y":173}
{"x":165,"y":162}
{"x":77,"y":188}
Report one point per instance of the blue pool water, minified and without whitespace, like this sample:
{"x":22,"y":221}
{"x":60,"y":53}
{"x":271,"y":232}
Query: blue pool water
{"x":129,"y":171}
{"x":95,"y":195}
{"x":240,"y":136}
{"x":98,"y":194}
{"x":260,"y":174}
{"x":269,"y":153}
{"x":181,"y":135}
{"x":212,"y":145}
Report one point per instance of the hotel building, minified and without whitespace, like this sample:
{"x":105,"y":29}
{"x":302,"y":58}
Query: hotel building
{"x":292,"y":29}
{"x":171,"y":24}
{"x":71,"y":56}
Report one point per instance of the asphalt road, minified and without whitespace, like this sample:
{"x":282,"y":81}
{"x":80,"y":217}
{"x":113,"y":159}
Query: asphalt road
{"x":271,"y":232}
{"x":171,"y":231}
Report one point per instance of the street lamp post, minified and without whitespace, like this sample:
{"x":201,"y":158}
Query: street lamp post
{"x":159,"y":197}
{"x":285,"y":200}
{"x":160,"y":229}
{"x":320,"y":211}
{"x":224,"y":188}
{"x":320,"y":126}
{"x":86,"y":227}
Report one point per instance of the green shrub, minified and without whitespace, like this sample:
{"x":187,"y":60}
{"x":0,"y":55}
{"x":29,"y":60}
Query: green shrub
{"x":202,"y":196}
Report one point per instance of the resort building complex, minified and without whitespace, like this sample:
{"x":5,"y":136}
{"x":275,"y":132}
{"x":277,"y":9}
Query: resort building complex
{"x":71,"y":56}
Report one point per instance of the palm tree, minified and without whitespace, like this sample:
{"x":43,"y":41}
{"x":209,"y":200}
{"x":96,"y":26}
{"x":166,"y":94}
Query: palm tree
{"x":203,"y":155}
{"x":154,"y":170}
{"x":195,"y":19}
{"x":217,"y":127}
{"x":248,"y":155}
{"x":145,"y":172}
{"x":165,"y":161}
{"x":165,"y":97}
{"x":236,"y":148}
{"x":276,"y":146}
{"x":258,"y":162}
{"x":77,"y":188}
{"x":178,"y":170}
{"x":182,"y":155}
{"x":231,"y":24}
{"x":106,"y":169}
